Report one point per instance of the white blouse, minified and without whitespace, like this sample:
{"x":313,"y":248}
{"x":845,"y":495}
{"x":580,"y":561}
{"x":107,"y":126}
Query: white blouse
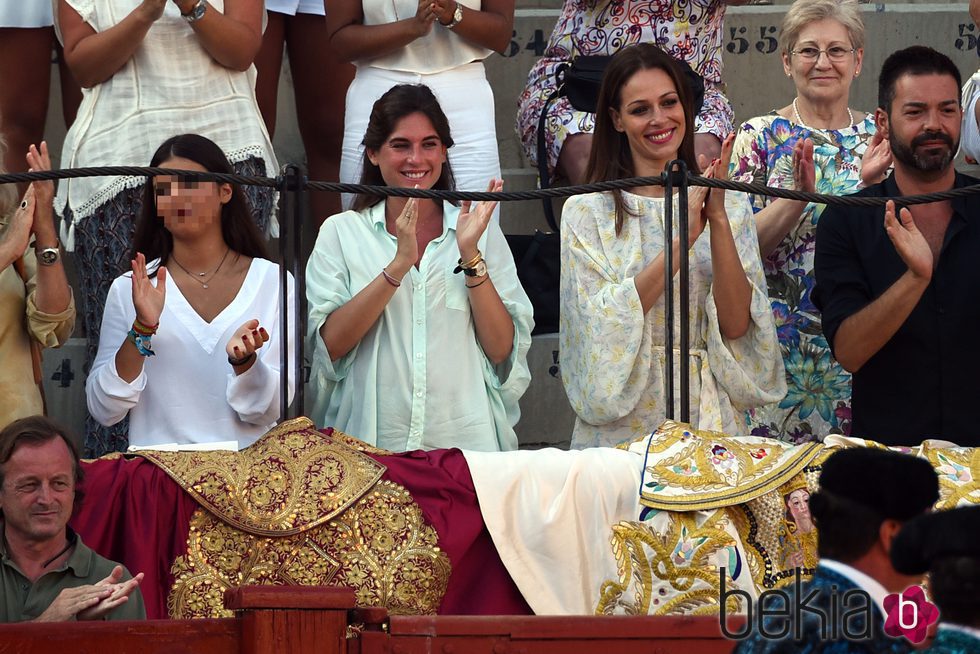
{"x":170,"y":86}
{"x":439,"y":50}
{"x":187,"y":392}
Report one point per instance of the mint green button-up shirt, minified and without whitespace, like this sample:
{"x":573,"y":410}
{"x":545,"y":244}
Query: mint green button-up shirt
{"x":418,"y":378}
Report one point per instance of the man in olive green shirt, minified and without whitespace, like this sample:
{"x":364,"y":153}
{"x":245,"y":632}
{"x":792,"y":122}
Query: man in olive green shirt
{"x":46,"y":573}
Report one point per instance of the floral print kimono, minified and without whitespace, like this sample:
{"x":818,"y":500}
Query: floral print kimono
{"x":612,"y":354}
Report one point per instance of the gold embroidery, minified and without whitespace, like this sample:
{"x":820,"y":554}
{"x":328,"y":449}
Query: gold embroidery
{"x":668,"y":568}
{"x":357,"y":444}
{"x":381,"y":546}
{"x":291,"y":479}
{"x":958,"y":469}
{"x":693,"y":470}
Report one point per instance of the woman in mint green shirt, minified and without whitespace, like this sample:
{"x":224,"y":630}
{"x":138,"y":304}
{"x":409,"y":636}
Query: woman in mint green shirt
{"x":419,"y":325}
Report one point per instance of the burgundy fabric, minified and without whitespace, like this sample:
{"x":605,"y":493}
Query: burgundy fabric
{"x":135,"y":514}
{"x":441,"y":485}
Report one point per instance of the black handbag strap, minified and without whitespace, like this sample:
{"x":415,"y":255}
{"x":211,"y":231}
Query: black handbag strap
{"x":544,"y":179}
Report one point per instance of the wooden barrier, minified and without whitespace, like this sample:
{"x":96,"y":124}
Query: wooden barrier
{"x":283,"y":620}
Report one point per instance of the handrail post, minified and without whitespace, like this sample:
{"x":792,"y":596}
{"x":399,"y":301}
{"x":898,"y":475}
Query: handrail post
{"x":290,"y":184}
{"x":669,"y":289}
{"x":685,"y":290}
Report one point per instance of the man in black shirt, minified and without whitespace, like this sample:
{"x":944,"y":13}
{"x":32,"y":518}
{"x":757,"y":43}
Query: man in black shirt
{"x":900,"y":288}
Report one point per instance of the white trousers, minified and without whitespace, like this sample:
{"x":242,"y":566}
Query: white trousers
{"x":466,"y":99}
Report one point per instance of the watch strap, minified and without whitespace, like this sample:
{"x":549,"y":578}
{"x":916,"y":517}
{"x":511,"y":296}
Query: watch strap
{"x":197,"y":13}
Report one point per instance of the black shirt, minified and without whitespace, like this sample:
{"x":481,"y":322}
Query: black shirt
{"x":925,"y":381}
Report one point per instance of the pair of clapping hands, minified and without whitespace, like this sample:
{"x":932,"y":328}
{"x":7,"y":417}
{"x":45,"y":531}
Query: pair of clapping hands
{"x":470,"y":225}
{"x":35,"y":216}
{"x":148,"y":300}
{"x":92,"y":601}
{"x":430,"y":11}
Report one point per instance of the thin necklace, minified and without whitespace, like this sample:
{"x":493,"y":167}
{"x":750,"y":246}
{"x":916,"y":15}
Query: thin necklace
{"x":195,"y":276}
{"x":799,"y":121}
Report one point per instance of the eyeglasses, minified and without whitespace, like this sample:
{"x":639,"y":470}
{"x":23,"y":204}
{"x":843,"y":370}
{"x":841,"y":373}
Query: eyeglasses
{"x":836,"y":53}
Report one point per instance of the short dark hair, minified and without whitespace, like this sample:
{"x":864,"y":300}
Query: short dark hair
{"x":237,"y":225}
{"x":611,"y":156}
{"x":914,"y":60}
{"x":955,"y":586}
{"x":846,"y":530}
{"x":37,"y":430}
{"x":398,"y":102}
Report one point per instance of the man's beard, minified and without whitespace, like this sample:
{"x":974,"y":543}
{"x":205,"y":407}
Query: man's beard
{"x":931,"y":160}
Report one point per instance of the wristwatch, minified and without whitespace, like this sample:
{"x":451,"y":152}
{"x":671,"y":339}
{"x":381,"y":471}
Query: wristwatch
{"x":478,"y":270}
{"x":48,"y":256}
{"x":457,"y":17}
{"x":197,"y":13}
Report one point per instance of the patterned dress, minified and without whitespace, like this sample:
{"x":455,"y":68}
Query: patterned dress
{"x":612,"y":353}
{"x":690,"y":31}
{"x":818,"y":397}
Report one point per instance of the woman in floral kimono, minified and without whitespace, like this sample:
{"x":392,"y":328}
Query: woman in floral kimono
{"x":612,"y":307}
{"x":822,"y":51}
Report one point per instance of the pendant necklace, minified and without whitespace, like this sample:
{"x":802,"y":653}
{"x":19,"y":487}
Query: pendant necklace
{"x":197,"y":276}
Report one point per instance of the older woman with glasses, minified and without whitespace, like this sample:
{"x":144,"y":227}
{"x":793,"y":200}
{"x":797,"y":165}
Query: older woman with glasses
{"x":823,"y":46}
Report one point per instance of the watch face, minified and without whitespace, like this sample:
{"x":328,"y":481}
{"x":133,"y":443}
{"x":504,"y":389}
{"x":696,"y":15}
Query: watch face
{"x":481,"y":269}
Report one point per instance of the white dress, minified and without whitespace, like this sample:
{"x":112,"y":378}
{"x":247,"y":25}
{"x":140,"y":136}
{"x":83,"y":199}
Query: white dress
{"x":612,"y":354}
{"x":187,"y":392}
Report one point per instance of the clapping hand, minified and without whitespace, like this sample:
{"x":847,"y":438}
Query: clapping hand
{"x":247,"y":340}
{"x":153,"y":9}
{"x":908,"y":241}
{"x":804,"y":173}
{"x":92,"y":601}
{"x":471,"y":223}
{"x":443,"y":10}
{"x":43,"y":225}
{"x":407,"y":252}
{"x":877,"y":159}
{"x":425,"y":15}
{"x":119,"y":593}
{"x":147,"y":298}
{"x":17,"y":235}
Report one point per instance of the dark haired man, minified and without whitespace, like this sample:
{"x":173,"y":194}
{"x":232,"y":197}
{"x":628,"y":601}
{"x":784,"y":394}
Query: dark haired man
{"x":865,"y":496}
{"x":898,"y":288}
{"x":46,"y":573}
{"x":946,"y":544}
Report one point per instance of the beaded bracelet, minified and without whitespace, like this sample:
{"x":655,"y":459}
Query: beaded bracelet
{"x":143,"y":329}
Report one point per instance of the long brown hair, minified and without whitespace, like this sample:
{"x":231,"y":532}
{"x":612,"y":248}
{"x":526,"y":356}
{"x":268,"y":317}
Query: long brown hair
{"x":397,"y":103}
{"x":611,"y":157}
{"x":237,"y":226}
